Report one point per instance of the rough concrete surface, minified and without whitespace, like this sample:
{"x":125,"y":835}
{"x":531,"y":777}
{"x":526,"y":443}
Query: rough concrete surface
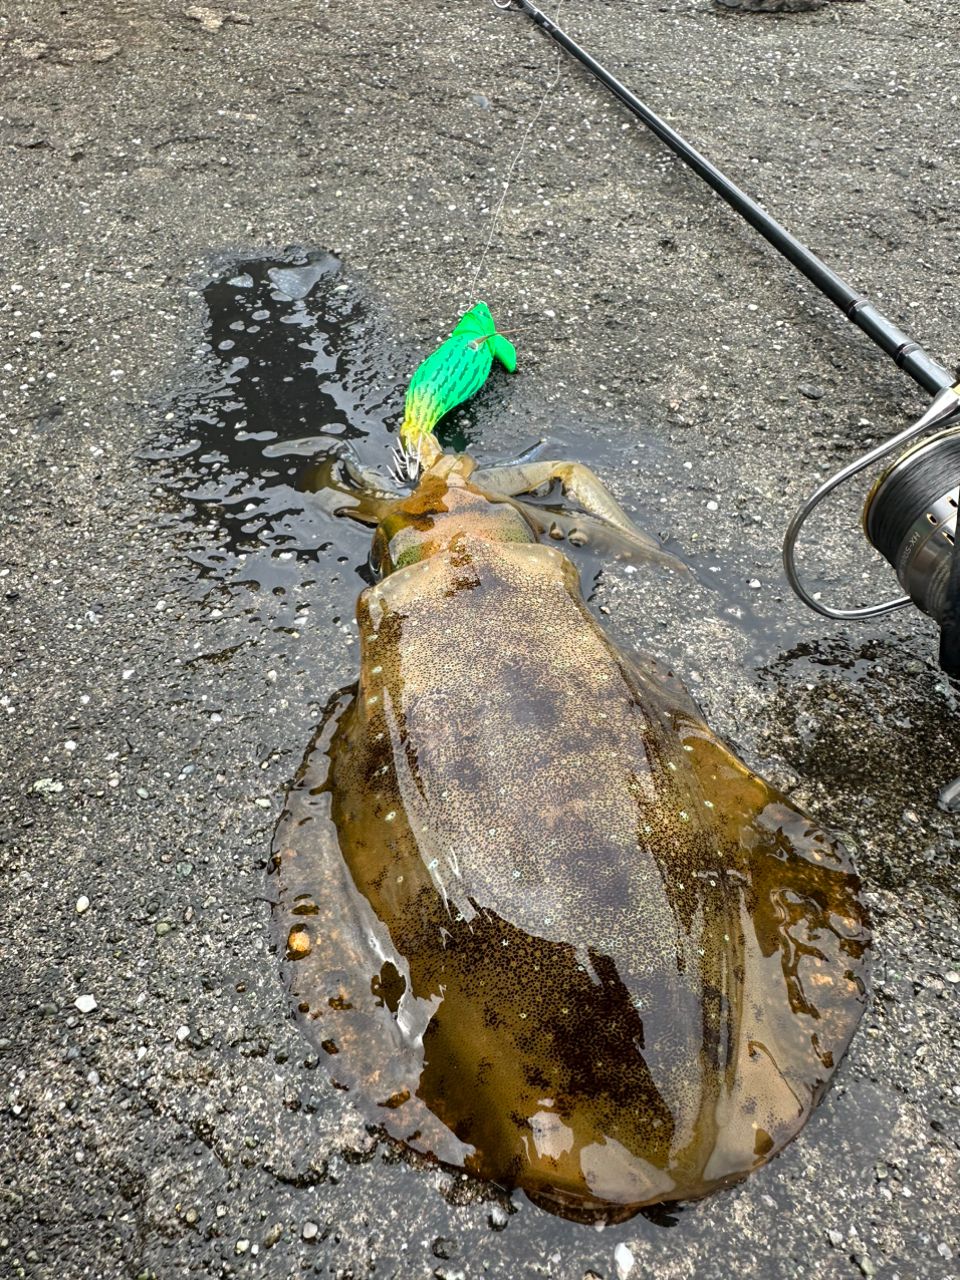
{"x":176,"y":1123}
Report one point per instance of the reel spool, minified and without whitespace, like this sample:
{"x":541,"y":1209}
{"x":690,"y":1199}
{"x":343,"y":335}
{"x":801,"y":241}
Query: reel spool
{"x":910,"y":517}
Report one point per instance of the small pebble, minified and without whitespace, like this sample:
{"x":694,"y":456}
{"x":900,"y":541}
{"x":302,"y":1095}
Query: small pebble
{"x":83,"y":904}
{"x":86,"y":1004}
{"x":711,"y":506}
{"x":162,"y":928}
{"x":949,"y":798}
{"x":241,"y":1247}
{"x":208,"y":18}
{"x":182,"y":1034}
{"x":498,"y":1217}
{"x":952,"y":976}
{"x":48,"y":786}
{"x":310,"y":1231}
{"x":811,"y":390}
{"x":262,"y":803}
{"x":273,"y":1235}
{"x":624,"y":1261}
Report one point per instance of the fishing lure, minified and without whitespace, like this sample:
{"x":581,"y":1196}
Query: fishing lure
{"x":452,"y":374}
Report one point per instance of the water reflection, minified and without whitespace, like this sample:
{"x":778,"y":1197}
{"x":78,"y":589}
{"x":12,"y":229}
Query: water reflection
{"x":293,"y":366}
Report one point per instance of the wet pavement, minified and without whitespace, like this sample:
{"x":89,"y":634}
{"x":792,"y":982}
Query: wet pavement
{"x":179,"y":612}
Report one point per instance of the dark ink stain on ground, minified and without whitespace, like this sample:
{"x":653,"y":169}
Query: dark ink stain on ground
{"x":294,"y":366}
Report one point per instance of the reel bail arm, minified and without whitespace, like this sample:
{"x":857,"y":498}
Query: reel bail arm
{"x":944,"y":409}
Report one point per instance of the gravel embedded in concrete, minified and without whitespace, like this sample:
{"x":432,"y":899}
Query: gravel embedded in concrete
{"x":182,"y":1114}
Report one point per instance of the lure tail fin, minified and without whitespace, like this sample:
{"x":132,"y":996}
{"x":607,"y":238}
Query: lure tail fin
{"x":478,"y":325}
{"x":505,"y":352}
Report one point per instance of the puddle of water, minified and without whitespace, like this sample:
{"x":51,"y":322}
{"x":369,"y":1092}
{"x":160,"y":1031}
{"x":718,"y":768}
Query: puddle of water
{"x":290,"y":365}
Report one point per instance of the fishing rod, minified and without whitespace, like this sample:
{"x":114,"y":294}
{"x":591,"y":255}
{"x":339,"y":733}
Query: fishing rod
{"x":910,"y":515}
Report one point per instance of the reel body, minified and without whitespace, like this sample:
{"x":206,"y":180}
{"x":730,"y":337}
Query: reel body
{"x":910,"y":517}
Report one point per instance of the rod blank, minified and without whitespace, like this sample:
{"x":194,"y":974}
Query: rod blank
{"x":908,"y":355}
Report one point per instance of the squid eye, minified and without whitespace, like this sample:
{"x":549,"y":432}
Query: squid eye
{"x":376,"y":563}
{"x":378,"y":555}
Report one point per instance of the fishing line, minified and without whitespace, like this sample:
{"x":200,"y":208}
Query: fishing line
{"x":406,"y":457}
{"x":548,"y":89}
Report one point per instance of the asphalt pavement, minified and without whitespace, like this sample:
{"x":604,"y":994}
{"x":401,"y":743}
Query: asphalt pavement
{"x":160,"y":1114}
